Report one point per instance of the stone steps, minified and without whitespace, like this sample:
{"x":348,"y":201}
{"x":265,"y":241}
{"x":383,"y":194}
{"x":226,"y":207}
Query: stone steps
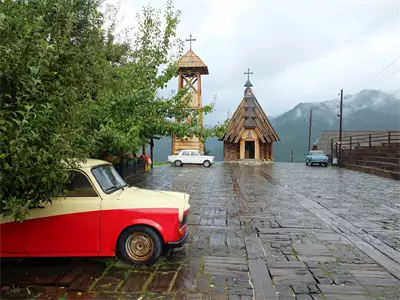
{"x":390,"y":147}
{"x":381,"y":160}
{"x":374,"y":171}
{"x":373,"y":163}
{"x":379,"y":153}
{"x":386,"y":159}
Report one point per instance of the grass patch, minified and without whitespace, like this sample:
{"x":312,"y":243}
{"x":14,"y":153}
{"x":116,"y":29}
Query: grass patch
{"x":160,"y":163}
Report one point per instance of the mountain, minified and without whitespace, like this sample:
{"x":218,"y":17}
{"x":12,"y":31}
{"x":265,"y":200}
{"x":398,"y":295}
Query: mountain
{"x":367,"y":110}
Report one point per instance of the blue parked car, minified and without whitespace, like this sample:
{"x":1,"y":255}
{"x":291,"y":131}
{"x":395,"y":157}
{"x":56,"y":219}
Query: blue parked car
{"x":316,"y":157}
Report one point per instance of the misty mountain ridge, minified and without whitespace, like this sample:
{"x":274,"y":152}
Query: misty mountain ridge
{"x":366,"y":110}
{"x":366,"y":99}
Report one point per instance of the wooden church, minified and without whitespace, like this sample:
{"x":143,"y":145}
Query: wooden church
{"x":249,"y":134}
{"x":191,"y":67}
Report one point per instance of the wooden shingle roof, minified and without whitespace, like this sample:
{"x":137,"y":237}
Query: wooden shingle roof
{"x":249,"y":114}
{"x":190,"y":62}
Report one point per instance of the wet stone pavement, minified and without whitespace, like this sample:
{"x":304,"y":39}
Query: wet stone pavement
{"x":273,"y":232}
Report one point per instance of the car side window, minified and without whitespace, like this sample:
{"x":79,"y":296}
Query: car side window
{"x":195,"y":153}
{"x":79,"y":186}
{"x":186,"y":153}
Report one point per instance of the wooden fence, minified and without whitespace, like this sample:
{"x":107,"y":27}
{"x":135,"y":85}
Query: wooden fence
{"x":383,"y":138}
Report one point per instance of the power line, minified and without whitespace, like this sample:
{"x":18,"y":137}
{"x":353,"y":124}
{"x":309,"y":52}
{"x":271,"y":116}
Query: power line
{"x":391,"y":94}
{"x":395,"y":72}
{"x":384,"y":69}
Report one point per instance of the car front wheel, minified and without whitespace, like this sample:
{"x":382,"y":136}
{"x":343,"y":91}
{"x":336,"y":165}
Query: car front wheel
{"x":178,"y":163}
{"x":206,"y":164}
{"x":140,"y":245}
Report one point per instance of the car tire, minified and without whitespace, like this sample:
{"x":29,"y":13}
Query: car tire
{"x":206,"y":164}
{"x":325,"y":165}
{"x":178,"y":163}
{"x":140,"y":245}
{"x":306,"y":163}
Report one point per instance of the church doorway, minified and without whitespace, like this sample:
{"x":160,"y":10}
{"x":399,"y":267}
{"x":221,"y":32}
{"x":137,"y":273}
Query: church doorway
{"x":249,"y":149}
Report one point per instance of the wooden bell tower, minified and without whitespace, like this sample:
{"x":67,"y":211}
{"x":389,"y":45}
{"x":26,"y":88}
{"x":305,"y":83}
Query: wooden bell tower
{"x":191,"y":67}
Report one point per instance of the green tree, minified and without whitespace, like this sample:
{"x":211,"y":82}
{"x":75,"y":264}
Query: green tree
{"x":131,"y":109}
{"x":71,"y":88}
{"x":51,"y":63}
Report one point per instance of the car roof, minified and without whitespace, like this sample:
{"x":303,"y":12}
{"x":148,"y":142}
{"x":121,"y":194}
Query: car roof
{"x":190,"y":150}
{"x":90,"y":163}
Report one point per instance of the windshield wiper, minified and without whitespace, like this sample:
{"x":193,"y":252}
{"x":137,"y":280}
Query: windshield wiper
{"x":111,"y":188}
{"x":117,"y":186}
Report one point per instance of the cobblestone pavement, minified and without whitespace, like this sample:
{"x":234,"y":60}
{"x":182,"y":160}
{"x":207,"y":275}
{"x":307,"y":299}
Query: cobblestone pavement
{"x":282,"y":232}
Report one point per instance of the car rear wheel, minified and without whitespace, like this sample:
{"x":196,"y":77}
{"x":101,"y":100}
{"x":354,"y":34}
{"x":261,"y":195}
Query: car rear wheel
{"x":206,"y":163}
{"x":178,"y":163}
{"x":140,"y":245}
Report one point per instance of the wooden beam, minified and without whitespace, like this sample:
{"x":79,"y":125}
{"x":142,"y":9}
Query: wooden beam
{"x":173,"y":146}
{"x":189,"y":82}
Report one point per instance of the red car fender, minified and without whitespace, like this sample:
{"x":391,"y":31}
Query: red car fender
{"x":149,"y":223}
{"x":114,"y":222}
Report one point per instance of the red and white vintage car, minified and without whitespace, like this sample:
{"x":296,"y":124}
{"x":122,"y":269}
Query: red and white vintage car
{"x":100,"y":215}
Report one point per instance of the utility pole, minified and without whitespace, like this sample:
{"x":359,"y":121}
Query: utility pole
{"x":340,"y":127}
{"x":309,"y":132}
{"x":291,"y":156}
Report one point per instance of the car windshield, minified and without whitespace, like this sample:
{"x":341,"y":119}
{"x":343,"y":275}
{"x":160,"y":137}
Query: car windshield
{"x":316,"y":153}
{"x":108,"y":178}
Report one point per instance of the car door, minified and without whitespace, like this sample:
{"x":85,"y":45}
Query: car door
{"x":68,"y":226}
{"x":196,"y":157}
{"x":11,"y":237}
{"x":185,"y":157}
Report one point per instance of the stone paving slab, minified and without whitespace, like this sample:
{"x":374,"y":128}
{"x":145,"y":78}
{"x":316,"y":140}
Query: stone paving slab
{"x":271,"y":232}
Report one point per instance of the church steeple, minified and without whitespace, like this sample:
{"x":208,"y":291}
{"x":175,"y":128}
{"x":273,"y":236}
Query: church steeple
{"x":248,"y":83}
{"x":249,"y":134}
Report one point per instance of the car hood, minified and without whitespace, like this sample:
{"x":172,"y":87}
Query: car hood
{"x":143,"y":198}
{"x":319,"y":156}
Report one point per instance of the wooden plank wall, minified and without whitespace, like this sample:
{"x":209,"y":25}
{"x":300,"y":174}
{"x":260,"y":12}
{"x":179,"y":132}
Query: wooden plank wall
{"x":190,"y":144}
{"x":231,"y":151}
{"x":266,"y":151}
{"x":262,"y":151}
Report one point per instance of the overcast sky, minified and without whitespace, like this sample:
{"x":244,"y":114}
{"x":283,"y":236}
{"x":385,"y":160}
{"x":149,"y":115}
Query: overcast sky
{"x":299,"y":50}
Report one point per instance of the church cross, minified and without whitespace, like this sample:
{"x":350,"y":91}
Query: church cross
{"x":248,"y":74}
{"x":190,"y":40}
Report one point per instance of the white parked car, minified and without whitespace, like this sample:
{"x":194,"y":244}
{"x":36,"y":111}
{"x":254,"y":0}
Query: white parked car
{"x":191,"y":157}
